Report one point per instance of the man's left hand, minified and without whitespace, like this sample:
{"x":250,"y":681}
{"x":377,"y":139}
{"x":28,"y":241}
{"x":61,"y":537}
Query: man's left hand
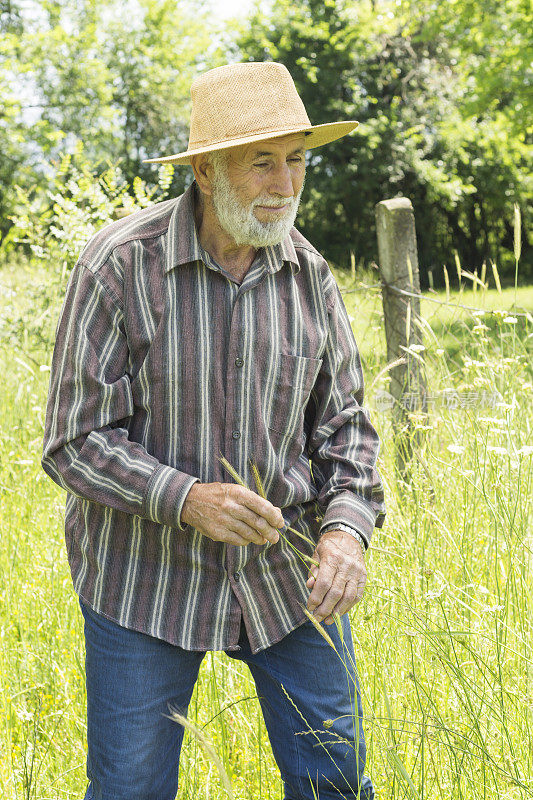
{"x":339,"y":581}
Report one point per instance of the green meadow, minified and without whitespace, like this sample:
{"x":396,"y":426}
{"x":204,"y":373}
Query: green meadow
{"x":443,"y":636}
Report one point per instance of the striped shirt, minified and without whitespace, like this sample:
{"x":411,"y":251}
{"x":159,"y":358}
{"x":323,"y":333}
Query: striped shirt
{"x":162,"y":363}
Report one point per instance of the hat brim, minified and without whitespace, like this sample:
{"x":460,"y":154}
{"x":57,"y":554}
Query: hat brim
{"x":316,"y":135}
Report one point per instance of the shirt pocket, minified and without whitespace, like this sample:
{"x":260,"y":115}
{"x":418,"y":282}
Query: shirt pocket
{"x":295,"y":378}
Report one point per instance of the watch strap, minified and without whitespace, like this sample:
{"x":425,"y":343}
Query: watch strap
{"x":340,"y":526}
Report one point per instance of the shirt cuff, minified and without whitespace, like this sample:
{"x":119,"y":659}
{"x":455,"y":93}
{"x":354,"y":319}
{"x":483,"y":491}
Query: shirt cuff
{"x":165,"y":495}
{"x":352,"y":510}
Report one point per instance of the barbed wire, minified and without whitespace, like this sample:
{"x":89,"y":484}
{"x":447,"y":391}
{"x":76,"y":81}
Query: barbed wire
{"x":447,"y":303}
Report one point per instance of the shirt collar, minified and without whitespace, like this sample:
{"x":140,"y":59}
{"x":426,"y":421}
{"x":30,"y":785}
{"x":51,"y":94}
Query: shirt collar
{"x":183,"y":245}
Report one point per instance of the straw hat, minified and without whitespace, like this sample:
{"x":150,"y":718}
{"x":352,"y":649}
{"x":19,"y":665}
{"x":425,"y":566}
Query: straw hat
{"x":249,"y":102}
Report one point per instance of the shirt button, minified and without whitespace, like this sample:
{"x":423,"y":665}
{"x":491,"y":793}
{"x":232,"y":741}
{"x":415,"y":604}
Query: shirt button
{"x":239,"y":362}
{"x":236,"y":577}
{"x":236,"y":434}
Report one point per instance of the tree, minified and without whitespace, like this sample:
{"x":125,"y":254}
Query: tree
{"x":12,"y":139}
{"x":460,"y":173}
{"x":113,"y":75}
{"x":494,"y":44}
{"x":120,"y":81}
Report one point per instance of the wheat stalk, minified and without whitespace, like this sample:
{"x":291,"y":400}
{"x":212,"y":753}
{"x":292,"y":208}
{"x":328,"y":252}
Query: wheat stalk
{"x":447,"y":282}
{"x":319,"y":627}
{"x":517,"y":232}
{"x":233,"y":472}
{"x":458,"y":268}
{"x":496,"y":276}
{"x":484,"y":274}
{"x":410,"y":271}
{"x":206,"y":746}
{"x":408,"y":324}
{"x":517,"y":243}
{"x":261,"y":492}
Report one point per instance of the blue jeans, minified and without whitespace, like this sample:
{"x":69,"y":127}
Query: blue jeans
{"x":134,"y":749}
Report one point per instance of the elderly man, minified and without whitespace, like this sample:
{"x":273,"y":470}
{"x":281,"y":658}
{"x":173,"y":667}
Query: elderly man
{"x":201,"y":327}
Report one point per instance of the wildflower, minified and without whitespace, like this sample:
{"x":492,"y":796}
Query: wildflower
{"x":527,"y":450}
{"x":456,"y":448}
{"x":436,"y":593}
{"x":512,"y":320}
{"x":499,"y":450}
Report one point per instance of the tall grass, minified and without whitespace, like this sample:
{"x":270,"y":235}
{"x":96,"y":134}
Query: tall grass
{"x":443,"y":635}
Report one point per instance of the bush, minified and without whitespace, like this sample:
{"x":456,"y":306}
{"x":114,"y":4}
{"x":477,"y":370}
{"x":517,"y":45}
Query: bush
{"x":53,"y":236}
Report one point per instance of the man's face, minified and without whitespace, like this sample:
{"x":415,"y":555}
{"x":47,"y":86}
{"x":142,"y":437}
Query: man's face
{"x":256,"y":189}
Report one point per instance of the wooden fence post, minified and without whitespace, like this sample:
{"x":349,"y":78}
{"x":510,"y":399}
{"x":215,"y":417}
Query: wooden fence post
{"x":398,"y":264}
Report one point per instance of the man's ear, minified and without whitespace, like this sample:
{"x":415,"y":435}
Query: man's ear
{"x":203,"y":173}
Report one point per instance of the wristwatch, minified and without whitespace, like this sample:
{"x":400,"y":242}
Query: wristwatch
{"x":340,"y":526}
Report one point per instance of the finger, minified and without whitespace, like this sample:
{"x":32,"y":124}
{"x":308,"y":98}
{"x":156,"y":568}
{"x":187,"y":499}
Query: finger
{"x":231,"y":537}
{"x":312,"y":577}
{"x":321,"y":585}
{"x":353,"y":592}
{"x":257,"y":522}
{"x":263,"y":508}
{"x":332,"y":597}
{"x":247,"y":532}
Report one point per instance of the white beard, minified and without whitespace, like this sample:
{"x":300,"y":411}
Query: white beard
{"x":239,"y":221}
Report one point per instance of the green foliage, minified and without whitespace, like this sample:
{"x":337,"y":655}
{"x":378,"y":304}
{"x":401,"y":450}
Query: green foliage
{"x":113,"y":75}
{"x":12,"y":131}
{"x":54,"y":233}
{"x":462,"y":173}
{"x":493,"y":43}
{"x":119,"y":81}
{"x":441,"y":90}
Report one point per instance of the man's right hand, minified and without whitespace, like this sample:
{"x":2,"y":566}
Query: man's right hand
{"x":227,"y":512}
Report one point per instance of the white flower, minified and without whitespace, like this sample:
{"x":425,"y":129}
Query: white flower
{"x":436,"y":593}
{"x":439,"y":351}
{"x":500,"y":450}
{"x":527,"y":450}
{"x":512,"y":320}
{"x":417,"y":348}
{"x":456,"y":448}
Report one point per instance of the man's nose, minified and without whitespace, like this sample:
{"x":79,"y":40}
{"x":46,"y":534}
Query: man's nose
{"x":282,"y":181}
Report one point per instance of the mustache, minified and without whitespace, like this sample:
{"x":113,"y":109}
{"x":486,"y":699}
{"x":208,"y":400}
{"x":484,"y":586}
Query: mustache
{"x":269,"y":204}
